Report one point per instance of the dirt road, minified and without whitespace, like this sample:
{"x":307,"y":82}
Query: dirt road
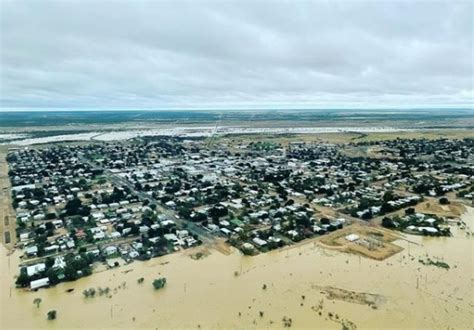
{"x":7,"y":218}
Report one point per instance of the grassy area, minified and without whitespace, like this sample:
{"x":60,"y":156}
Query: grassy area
{"x":346,"y":137}
{"x":426,"y":134}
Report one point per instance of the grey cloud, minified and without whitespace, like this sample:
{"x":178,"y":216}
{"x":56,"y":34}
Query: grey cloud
{"x":206,"y":54}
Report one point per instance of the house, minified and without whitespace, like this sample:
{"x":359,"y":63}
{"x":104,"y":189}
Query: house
{"x":98,"y":215}
{"x":212,"y":227}
{"x":428,"y":229}
{"x":182,"y":233}
{"x":95,"y":252}
{"x":115,"y":235}
{"x":70,"y":244}
{"x":99,"y":236}
{"x":247,"y":246}
{"x":167,"y":223}
{"x":133,"y":254}
{"x":292,"y":233}
{"x":39,"y":216}
{"x":190,"y":241}
{"x":318,"y":229}
{"x":259,"y":242}
{"x":352,"y":237}
{"x":57,"y":223}
{"x":224,"y":223}
{"x":51,"y":249}
{"x":137,"y":245}
{"x":26,"y":186}
{"x":39,"y":283}
{"x":109,"y":250}
{"x":170,"y":204}
{"x":59,"y":263}
{"x":170,"y":237}
{"x":32,"y":251}
{"x":226,"y":231}
{"x":35,"y":269}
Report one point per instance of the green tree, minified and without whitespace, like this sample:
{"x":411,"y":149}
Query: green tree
{"x":388,"y":223}
{"x":159,"y":283}
{"x":52,"y":315}
{"x":444,"y":201}
{"x":23,"y":279}
{"x":37,"y":302}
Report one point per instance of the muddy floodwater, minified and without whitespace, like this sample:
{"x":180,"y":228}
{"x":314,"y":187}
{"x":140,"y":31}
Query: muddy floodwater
{"x":311,"y":286}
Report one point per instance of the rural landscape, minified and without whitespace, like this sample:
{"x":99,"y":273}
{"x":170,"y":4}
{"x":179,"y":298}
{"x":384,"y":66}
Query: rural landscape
{"x":101,"y":223}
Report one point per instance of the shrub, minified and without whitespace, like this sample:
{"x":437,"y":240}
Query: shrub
{"x":159,"y":283}
{"x":51,"y":315}
{"x":443,"y":201}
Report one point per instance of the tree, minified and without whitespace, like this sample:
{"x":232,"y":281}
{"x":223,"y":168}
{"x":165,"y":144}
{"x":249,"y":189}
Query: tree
{"x":388,"y":196}
{"x":23,"y":279}
{"x":75,"y":207}
{"x":388,"y":223}
{"x":101,"y":181}
{"x":367,"y":215}
{"x":444,"y":201}
{"x":72,"y":206}
{"x":303,"y":221}
{"x":49,"y":262}
{"x":159,"y":283}
{"x":325,"y":221}
{"x":52,"y":315}
{"x":37,"y":302}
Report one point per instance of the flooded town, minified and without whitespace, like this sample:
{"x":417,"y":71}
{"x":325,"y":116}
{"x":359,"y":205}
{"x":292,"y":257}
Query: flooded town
{"x":230,"y":165}
{"x":335,"y":230}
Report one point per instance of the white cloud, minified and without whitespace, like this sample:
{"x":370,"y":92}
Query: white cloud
{"x":144,"y":54}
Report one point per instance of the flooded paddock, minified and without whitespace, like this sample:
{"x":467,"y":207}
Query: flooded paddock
{"x":307,"y":285}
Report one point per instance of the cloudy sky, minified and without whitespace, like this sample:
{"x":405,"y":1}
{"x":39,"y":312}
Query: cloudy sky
{"x":251,"y":54}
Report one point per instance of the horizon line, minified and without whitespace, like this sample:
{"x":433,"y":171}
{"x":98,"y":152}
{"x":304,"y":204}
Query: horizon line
{"x":439,"y":108}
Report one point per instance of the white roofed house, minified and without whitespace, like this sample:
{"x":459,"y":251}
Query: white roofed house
{"x":32,"y":251}
{"x":98,"y":215}
{"x":39,"y":283}
{"x":99,"y":236}
{"x":35,"y":269}
{"x":109,"y":250}
{"x":352,"y":237}
{"x":170,"y":204}
{"x":182,"y":233}
{"x":259,"y":242}
{"x":39,"y":216}
{"x":24,"y":236}
{"x":59,"y":263}
{"x":115,"y":235}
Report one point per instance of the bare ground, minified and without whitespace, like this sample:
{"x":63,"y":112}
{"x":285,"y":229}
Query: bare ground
{"x":7,"y":218}
{"x":374,"y":243}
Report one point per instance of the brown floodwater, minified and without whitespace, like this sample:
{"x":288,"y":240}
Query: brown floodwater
{"x":208,"y":293}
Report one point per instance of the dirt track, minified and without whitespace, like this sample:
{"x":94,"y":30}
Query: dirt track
{"x":7,"y":219}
